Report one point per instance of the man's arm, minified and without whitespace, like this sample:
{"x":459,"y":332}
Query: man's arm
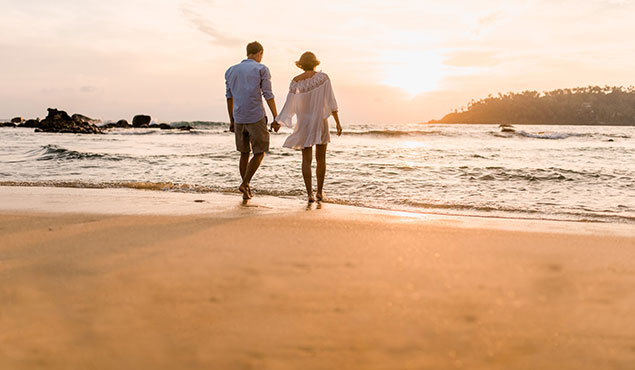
{"x":230,"y":110}
{"x":272,"y":107}
{"x":265,"y":86}
{"x":230,"y":100}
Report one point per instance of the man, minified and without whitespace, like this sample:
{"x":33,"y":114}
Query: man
{"x":246,"y":83}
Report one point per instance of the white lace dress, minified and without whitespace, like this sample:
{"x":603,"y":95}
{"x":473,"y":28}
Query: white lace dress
{"x":312,"y":100}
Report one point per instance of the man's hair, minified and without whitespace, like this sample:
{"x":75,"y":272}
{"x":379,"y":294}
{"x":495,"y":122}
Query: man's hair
{"x":254,"y":48}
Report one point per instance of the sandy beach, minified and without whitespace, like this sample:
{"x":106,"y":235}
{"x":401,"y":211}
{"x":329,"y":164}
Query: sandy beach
{"x":131,"y":279}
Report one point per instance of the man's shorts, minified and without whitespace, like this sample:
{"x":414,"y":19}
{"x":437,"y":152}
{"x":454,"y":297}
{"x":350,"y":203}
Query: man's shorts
{"x":252,"y":137}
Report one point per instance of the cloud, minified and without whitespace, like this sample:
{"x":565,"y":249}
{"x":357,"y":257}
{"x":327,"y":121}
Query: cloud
{"x":88,"y":89}
{"x":197,"y":20}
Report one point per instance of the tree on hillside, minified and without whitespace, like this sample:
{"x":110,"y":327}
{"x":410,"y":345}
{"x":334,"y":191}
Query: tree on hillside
{"x":592,"y":105}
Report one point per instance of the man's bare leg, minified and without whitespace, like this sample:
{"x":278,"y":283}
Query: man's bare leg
{"x":320,"y":157}
{"x":252,"y":167}
{"x":307,"y":154}
{"x":244,"y":161}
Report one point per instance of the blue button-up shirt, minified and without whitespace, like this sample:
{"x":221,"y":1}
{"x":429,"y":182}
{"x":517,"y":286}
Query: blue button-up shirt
{"x":246,"y":83}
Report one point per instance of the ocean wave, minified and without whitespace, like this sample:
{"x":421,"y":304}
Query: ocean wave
{"x":201,"y":125}
{"x":154,"y":131}
{"x":223,"y":128}
{"x":615,"y":136}
{"x":538,"y":135}
{"x":524,"y":213}
{"x":550,"y":136}
{"x":496,"y":173}
{"x":139,"y":185}
{"x":54,"y":152}
{"x":127,"y":131}
{"x":398,"y":133}
{"x":211,"y":127}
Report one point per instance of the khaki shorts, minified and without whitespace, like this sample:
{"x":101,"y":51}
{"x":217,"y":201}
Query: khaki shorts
{"x":252,"y":137}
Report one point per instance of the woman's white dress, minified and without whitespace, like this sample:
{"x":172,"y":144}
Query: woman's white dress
{"x":312,"y":100}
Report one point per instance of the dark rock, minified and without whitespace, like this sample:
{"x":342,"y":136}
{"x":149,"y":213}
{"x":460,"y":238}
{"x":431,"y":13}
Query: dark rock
{"x":162,"y":126}
{"x":141,"y":121}
{"x":17,"y":120}
{"x":185,"y":128}
{"x":78,"y":118}
{"x":60,"y":121}
{"x":505,"y":127}
{"x":8,"y":124}
{"x":122,"y":123}
{"x":31,"y":123}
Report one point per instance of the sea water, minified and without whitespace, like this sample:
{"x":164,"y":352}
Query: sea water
{"x":584,"y":173}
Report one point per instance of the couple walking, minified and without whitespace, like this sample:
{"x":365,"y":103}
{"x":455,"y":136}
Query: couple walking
{"x":310,"y":98}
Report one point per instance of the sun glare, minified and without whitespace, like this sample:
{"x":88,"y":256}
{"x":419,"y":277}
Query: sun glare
{"x":413,"y":72}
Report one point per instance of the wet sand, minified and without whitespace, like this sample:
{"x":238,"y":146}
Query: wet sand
{"x":107,"y":279}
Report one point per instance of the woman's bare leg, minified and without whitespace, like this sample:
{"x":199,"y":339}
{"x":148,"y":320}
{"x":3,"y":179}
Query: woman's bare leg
{"x":307,"y":154}
{"x":320,"y":157}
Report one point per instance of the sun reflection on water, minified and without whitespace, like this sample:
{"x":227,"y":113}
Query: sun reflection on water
{"x":412,"y":144}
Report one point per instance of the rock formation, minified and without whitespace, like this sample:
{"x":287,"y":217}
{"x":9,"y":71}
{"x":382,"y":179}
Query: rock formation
{"x":60,"y":121}
{"x":141,"y":120}
{"x":32,"y":123}
{"x":78,"y":118}
{"x":122,"y":123}
{"x":162,"y":126}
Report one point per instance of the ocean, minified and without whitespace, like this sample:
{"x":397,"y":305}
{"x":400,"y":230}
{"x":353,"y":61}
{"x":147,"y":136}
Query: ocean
{"x":579,"y":173}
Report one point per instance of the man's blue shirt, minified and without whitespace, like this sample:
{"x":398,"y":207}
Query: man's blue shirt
{"x":246,"y":83}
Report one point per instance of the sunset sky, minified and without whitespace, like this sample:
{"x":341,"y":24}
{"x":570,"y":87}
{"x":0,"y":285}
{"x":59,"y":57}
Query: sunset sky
{"x":390,"y":61}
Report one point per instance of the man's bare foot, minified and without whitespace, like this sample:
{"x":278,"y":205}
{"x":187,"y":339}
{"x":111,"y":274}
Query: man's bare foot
{"x":243,"y":189}
{"x":321,"y":197}
{"x":311,"y":198}
{"x":251,"y":195}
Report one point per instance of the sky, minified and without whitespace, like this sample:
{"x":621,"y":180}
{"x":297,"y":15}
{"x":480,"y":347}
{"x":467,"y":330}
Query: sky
{"x":389,"y":61}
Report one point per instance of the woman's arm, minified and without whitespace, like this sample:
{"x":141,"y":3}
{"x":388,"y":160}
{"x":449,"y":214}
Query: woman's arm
{"x":337,"y":120}
{"x":288,"y":111}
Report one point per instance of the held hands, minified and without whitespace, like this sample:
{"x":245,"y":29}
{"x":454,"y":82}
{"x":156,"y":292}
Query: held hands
{"x":275,"y":126}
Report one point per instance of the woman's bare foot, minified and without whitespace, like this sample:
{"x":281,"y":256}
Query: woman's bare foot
{"x":251,"y":195}
{"x":321,"y":197}
{"x":244,"y":189}
{"x":311,"y":198}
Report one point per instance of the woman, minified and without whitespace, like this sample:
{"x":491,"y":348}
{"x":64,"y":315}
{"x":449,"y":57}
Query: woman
{"x":312,"y":100}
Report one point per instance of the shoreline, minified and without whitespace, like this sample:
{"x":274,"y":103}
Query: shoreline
{"x":203,"y":192}
{"x":139,"y":201}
